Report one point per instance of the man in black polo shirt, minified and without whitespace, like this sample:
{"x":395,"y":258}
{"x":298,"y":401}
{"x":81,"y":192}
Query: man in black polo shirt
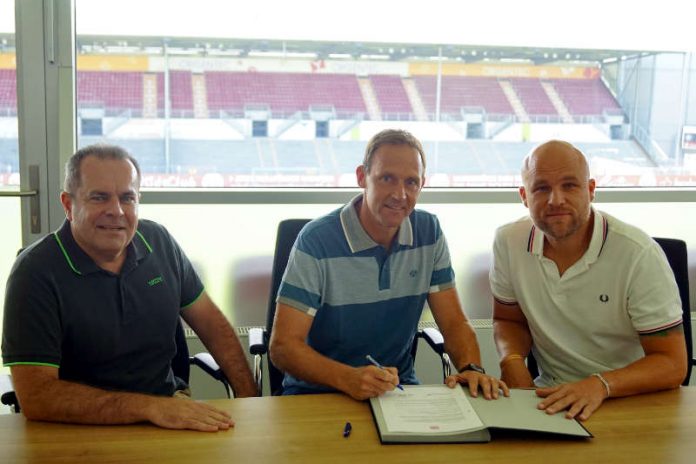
{"x":91,"y":310}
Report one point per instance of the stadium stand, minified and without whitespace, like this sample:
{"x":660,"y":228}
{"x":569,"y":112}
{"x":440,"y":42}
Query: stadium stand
{"x":287,"y":93}
{"x":8,"y":91}
{"x":180,"y":93}
{"x":326,"y":157}
{"x":114,"y":91}
{"x":536,"y":102}
{"x":585,"y":96}
{"x":284,"y":93}
{"x":463,"y":91}
{"x":391,"y":96}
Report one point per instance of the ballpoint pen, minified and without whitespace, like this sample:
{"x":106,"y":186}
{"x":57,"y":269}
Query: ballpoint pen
{"x":374,"y":362}
{"x":347,"y":429}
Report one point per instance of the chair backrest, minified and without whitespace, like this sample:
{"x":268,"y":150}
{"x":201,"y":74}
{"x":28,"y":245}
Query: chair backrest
{"x":288,"y":230}
{"x":677,"y":256}
{"x":181,"y":364}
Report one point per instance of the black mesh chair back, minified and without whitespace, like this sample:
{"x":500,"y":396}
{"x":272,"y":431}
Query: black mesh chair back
{"x":677,"y":256}
{"x":181,"y":364}
{"x":288,"y":230}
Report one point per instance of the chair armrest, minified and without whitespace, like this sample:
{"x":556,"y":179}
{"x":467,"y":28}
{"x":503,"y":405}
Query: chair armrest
{"x":206,"y":362}
{"x":8,"y":396}
{"x":434,"y":338}
{"x":437,"y":342}
{"x":257,"y":345}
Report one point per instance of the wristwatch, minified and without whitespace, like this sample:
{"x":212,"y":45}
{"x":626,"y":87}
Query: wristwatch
{"x":472,"y":367}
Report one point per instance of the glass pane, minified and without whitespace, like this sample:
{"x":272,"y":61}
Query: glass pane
{"x":11,"y":239}
{"x":9,"y":157}
{"x":288,"y":98}
{"x":10,"y":232}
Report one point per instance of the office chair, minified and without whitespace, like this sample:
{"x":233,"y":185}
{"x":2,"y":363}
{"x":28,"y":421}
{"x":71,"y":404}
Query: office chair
{"x":180,"y":366}
{"x":259,"y":339}
{"x":678,"y":260}
{"x":677,"y":257}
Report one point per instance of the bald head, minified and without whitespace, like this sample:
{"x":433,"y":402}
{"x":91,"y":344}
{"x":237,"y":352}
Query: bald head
{"x":555,"y":151}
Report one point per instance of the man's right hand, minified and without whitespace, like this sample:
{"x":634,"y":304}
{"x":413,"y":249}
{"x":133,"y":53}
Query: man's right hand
{"x":370,"y":381}
{"x":181,"y":413}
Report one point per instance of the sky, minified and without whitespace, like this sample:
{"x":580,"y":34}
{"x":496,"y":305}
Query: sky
{"x":591,"y":24}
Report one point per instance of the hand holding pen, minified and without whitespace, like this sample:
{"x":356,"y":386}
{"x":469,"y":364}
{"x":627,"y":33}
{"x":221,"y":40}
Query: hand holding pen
{"x":374,"y":362}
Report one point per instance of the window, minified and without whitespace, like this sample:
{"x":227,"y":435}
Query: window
{"x":10,"y":232}
{"x":191,"y":101}
{"x":9,"y":158}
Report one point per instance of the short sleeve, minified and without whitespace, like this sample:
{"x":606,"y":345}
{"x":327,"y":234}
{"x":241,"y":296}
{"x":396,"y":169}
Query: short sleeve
{"x":499,"y":274}
{"x":191,"y":286}
{"x":653,"y":295}
{"x":31,"y":325}
{"x":443,"y":275}
{"x":303,"y":279}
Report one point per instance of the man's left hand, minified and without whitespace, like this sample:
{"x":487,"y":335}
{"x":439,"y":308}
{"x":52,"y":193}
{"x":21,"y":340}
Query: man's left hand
{"x":580,"y":398}
{"x":490,"y":386}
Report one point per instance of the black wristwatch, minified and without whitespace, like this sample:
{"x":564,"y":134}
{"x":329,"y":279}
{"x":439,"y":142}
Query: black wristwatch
{"x":472,"y":367}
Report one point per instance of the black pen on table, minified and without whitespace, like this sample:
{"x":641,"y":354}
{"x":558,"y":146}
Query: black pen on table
{"x":374,"y":362}
{"x":347,"y":429}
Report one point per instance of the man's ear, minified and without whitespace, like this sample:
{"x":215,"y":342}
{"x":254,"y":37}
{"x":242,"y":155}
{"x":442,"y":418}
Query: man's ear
{"x":523,"y":196}
{"x":360,"y":174}
{"x":66,"y":201}
{"x":591,"y":185}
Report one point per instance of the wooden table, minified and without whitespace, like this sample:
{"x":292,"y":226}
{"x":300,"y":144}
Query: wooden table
{"x":656,"y":428}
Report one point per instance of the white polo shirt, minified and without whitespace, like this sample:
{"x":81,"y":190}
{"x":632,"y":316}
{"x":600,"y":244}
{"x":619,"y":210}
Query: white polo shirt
{"x":588,"y":320}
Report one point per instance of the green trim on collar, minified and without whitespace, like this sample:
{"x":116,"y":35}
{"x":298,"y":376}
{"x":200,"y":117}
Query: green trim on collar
{"x":194,"y":300}
{"x":65,"y":253}
{"x":31,"y":364}
{"x":147,"y":245}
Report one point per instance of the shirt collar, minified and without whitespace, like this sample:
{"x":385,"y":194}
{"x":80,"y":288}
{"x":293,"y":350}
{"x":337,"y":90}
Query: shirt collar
{"x":81,"y":263}
{"x":600,"y":228}
{"x":358,"y":239}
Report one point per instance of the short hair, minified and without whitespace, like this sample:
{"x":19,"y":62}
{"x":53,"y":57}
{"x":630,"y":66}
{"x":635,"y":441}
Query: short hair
{"x":101,"y":151}
{"x":392,"y":137}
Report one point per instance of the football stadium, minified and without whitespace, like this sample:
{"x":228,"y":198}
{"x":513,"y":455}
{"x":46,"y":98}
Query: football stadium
{"x":269,"y":113}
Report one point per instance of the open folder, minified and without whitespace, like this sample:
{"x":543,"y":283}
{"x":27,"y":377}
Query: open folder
{"x":439,"y":414}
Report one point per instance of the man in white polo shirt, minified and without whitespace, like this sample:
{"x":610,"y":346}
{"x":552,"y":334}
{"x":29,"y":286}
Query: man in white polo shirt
{"x":593,"y":298}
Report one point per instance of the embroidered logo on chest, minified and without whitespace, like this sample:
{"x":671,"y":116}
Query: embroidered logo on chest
{"x":155,"y":281}
{"x":604,"y":298}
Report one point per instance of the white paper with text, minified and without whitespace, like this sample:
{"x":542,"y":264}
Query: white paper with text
{"x":429,"y":409}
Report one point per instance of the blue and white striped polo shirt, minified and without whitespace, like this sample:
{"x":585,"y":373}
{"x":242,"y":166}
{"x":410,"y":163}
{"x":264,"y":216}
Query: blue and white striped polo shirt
{"x":364,"y":300}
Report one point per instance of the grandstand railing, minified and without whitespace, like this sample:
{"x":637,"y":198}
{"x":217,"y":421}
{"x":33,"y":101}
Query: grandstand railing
{"x":238,"y":113}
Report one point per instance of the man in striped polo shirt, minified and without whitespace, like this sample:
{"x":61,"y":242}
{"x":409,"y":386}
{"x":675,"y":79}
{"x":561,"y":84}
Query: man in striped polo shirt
{"x":593,"y":298}
{"x":356,"y":283}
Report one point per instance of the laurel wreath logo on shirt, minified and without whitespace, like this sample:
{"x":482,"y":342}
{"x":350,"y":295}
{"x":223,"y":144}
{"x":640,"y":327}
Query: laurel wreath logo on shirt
{"x":413,"y":273}
{"x":604,"y":298}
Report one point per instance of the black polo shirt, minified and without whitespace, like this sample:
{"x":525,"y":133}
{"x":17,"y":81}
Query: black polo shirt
{"x":113,"y":331}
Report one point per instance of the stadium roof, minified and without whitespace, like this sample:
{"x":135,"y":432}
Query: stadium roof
{"x":211,"y":46}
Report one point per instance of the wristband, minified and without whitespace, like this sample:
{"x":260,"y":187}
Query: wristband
{"x":510,"y":357}
{"x":604,"y":382}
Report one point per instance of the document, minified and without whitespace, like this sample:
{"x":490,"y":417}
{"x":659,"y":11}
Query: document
{"x":439,"y":414}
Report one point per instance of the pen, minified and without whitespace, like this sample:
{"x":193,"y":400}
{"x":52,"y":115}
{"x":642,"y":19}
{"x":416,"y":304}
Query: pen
{"x":374,"y":362}
{"x":347,"y":429}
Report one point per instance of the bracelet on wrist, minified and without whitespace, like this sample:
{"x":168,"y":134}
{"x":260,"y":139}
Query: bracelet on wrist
{"x":510,"y":357}
{"x":604,"y":382}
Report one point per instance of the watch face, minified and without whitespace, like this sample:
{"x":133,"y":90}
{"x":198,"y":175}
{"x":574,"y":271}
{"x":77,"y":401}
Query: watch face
{"x":473,"y":367}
